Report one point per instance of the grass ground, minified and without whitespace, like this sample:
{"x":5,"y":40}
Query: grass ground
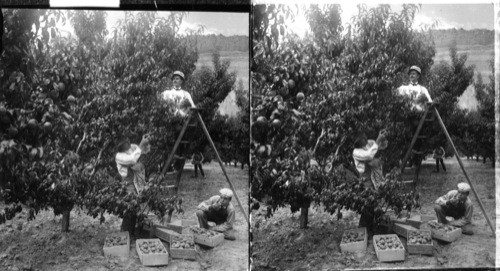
{"x":39,"y":244}
{"x":279,"y":243}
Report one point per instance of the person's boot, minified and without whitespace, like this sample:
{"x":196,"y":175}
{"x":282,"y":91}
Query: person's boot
{"x":467,"y":229}
{"x":229,"y":235}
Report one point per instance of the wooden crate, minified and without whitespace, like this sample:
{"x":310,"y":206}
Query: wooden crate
{"x":426,"y":218}
{"x":151,"y":259}
{"x":177,"y":253}
{"x":402,"y":230}
{"x":388,"y":255}
{"x":119,"y":251}
{"x":164,"y":234}
{"x":418,"y":220}
{"x":423,"y":249}
{"x":415,"y":221}
{"x":209,"y":241}
{"x":355,"y":246}
{"x":181,"y":225}
{"x":446,"y":236}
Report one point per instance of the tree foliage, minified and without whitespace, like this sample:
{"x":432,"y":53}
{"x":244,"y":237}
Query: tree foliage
{"x":348,"y":78}
{"x":66,"y":100}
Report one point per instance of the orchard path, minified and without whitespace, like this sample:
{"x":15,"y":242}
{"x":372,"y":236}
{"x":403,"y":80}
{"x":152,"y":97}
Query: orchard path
{"x":39,"y":244}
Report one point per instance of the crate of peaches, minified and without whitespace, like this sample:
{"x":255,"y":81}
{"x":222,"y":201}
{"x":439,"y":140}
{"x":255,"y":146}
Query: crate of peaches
{"x":183,"y":247}
{"x":419,"y":242}
{"x":117,"y":244}
{"x":354,"y":240}
{"x":206,"y":237}
{"x":151,"y":252}
{"x":447,"y":233}
{"x":388,"y":248}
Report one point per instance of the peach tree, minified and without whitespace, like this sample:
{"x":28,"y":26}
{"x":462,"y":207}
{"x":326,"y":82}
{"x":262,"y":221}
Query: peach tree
{"x":317,"y":92}
{"x":66,"y":100}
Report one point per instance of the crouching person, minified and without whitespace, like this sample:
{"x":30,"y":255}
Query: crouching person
{"x":218,"y":209}
{"x":456,"y":204}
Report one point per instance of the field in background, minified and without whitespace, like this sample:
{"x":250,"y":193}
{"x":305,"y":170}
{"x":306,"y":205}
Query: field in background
{"x":239,"y":64}
{"x":479,"y":56}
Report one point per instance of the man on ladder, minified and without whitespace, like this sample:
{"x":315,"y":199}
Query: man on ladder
{"x":184,"y":106}
{"x":419,"y":95}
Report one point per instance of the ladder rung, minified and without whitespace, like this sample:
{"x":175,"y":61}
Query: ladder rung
{"x":192,"y":125}
{"x":184,"y":142}
{"x":408,"y":182}
{"x":170,"y":186}
{"x":429,"y":119}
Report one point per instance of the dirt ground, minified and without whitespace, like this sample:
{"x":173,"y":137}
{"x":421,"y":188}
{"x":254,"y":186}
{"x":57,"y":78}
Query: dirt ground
{"x":279,"y":243}
{"x":40,"y":245}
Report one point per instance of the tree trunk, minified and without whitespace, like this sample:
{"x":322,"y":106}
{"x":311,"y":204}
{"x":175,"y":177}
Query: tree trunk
{"x":65,"y":221}
{"x":168,"y":217}
{"x":304,"y":213}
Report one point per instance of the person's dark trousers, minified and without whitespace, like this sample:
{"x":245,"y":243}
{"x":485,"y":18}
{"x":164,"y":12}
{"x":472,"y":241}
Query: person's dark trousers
{"x":366,"y":220}
{"x":205,"y":216}
{"x":440,"y":160}
{"x":128,"y":223}
{"x":217,"y":218}
{"x":443,"y":211}
{"x":196,"y":166}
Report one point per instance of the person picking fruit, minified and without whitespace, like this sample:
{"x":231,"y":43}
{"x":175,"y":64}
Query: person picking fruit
{"x":220,"y":210}
{"x":180,"y":98}
{"x":419,"y":95}
{"x":364,"y":157}
{"x":456,"y":204}
{"x":132,"y":172}
{"x":369,"y":166}
{"x":127,"y":156}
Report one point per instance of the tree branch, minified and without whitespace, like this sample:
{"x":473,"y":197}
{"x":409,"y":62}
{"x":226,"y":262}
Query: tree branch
{"x":81,"y":141}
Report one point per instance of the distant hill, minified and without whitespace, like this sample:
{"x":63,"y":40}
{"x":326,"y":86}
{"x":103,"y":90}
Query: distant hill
{"x":445,"y":37}
{"x":479,"y":44}
{"x":208,"y":43}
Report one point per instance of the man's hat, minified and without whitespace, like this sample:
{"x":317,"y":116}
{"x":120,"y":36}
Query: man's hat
{"x":463,"y":187}
{"x":226,"y":193}
{"x":178,"y":73}
{"x":415,"y":68}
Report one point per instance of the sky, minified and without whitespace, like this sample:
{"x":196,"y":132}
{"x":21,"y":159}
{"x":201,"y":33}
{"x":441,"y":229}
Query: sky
{"x":224,"y":23}
{"x":466,"y":16}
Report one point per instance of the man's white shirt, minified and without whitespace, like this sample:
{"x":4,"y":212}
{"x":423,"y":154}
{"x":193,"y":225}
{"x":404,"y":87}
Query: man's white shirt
{"x":177,"y":96}
{"x":414,"y":91}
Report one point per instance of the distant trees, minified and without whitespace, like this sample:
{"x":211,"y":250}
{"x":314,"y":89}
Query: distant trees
{"x":445,"y":37}
{"x":207,"y":43}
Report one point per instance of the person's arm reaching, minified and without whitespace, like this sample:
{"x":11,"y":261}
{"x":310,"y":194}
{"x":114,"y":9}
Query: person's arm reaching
{"x":125,"y":159}
{"x":190,"y":99}
{"x":426,"y":93}
{"x":365,"y":155}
